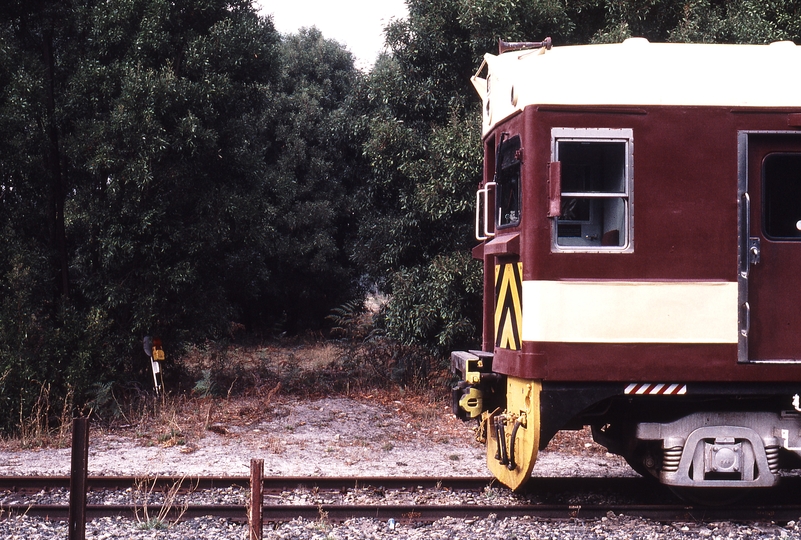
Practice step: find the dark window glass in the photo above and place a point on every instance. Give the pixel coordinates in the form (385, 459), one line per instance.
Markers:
(507, 191)
(596, 167)
(781, 196)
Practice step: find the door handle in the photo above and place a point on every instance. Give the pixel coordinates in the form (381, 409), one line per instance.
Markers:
(754, 250)
(745, 240)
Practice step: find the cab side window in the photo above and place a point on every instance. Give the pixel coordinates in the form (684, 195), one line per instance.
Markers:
(507, 178)
(595, 189)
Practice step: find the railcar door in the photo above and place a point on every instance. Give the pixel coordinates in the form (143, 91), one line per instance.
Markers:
(770, 258)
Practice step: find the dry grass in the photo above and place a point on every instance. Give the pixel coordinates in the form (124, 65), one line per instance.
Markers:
(309, 354)
(143, 496)
(309, 368)
(228, 386)
(48, 424)
(250, 384)
(237, 370)
(243, 385)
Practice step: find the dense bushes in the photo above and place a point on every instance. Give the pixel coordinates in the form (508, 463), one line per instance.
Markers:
(168, 168)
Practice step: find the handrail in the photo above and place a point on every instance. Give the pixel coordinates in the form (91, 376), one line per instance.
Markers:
(487, 232)
(479, 236)
(483, 233)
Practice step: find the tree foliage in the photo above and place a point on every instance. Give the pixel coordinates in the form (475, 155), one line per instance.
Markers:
(316, 165)
(170, 168)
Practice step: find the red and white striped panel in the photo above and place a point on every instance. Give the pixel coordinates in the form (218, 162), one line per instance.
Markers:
(652, 389)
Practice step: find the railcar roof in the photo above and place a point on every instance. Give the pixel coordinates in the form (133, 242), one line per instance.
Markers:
(639, 73)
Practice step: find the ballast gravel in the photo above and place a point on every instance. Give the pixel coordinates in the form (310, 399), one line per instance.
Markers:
(516, 528)
(338, 437)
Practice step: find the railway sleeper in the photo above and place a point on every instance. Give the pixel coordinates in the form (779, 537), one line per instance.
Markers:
(723, 449)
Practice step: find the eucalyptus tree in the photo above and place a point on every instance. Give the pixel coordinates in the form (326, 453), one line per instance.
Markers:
(136, 138)
(316, 168)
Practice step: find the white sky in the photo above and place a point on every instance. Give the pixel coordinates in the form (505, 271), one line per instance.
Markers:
(357, 24)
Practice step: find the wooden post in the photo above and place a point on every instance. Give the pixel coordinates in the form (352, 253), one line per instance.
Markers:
(78, 474)
(256, 499)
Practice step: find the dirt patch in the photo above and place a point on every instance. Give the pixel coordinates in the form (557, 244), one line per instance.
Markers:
(367, 435)
(246, 404)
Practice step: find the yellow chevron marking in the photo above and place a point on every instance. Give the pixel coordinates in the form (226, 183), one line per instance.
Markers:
(508, 306)
(507, 335)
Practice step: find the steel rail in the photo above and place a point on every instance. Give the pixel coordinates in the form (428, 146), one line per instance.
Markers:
(788, 491)
(272, 483)
(326, 483)
(27, 483)
(418, 513)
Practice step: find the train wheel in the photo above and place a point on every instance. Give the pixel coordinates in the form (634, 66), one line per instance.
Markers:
(637, 465)
(645, 460)
(514, 434)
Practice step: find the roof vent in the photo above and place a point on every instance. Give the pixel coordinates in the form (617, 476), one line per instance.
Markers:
(506, 46)
(635, 41)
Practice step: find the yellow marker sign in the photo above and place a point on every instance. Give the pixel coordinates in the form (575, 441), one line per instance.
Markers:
(158, 352)
(508, 305)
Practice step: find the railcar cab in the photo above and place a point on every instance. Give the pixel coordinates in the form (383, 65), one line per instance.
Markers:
(638, 243)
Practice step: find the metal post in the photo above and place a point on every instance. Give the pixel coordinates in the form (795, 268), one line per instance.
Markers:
(156, 374)
(78, 473)
(256, 499)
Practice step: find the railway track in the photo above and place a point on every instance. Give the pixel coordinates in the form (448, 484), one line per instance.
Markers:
(547, 498)
(270, 484)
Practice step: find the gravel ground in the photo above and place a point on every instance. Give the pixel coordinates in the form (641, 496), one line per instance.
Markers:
(328, 437)
(334, 437)
(209, 528)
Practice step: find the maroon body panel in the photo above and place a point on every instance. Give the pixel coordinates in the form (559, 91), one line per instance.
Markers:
(684, 172)
(639, 363)
(685, 227)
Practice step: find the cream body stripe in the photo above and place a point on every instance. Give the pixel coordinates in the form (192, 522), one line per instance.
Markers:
(630, 312)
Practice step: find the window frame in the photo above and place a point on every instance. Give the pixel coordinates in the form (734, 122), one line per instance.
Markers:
(599, 135)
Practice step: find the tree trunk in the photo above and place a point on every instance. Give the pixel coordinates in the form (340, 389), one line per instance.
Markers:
(58, 192)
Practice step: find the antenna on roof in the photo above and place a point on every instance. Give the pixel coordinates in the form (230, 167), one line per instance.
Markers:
(506, 46)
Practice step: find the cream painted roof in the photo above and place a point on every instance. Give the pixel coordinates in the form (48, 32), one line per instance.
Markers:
(640, 73)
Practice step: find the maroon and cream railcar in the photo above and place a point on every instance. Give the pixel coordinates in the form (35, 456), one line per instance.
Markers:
(640, 228)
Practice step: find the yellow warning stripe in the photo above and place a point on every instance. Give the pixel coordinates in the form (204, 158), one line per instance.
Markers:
(508, 305)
